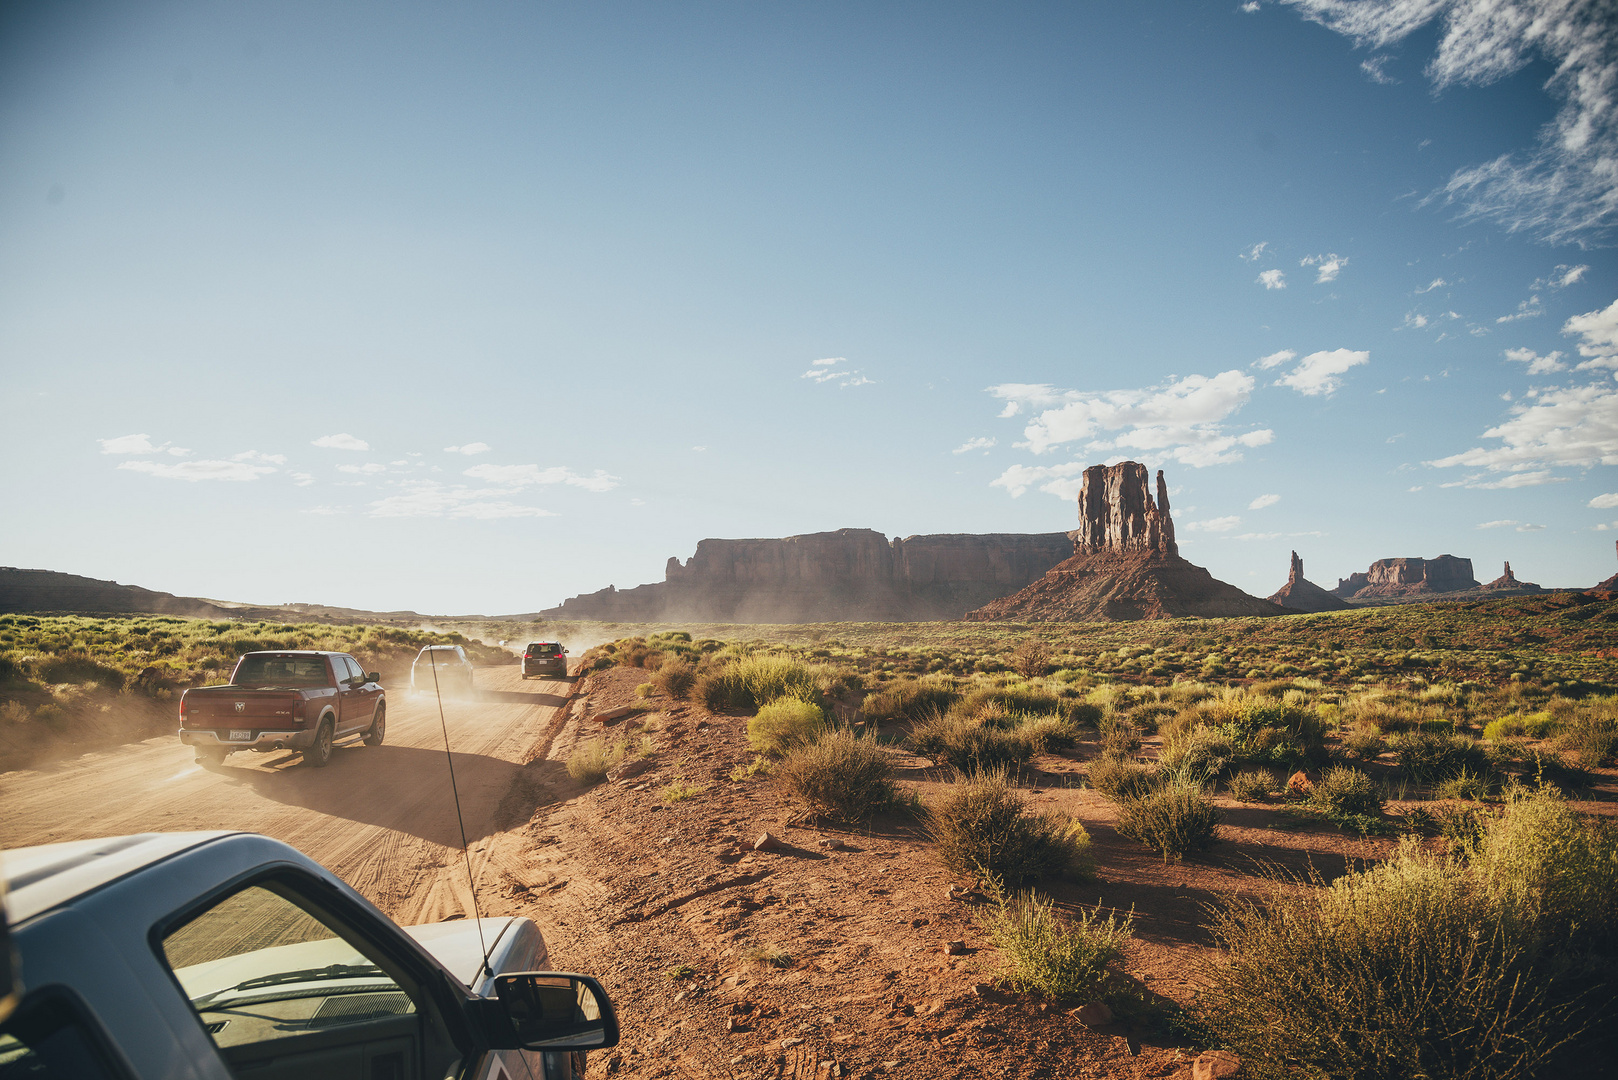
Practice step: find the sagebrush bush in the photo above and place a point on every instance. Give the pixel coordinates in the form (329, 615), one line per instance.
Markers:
(1174, 819)
(675, 678)
(1046, 732)
(980, 825)
(1118, 736)
(749, 683)
(1345, 790)
(1252, 785)
(1364, 745)
(1042, 952)
(1119, 778)
(840, 775)
(908, 700)
(79, 668)
(1542, 858)
(1432, 755)
(1591, 736)
(968, 745)
(1407, 969)
(591, 761)
(785, 724)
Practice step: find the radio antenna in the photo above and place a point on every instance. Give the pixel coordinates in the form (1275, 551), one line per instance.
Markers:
(466, 853)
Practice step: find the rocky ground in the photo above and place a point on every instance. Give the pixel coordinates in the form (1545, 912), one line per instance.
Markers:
(828, 951)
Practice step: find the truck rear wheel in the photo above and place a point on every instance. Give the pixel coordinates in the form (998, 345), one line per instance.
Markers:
(319, 752)
(379, 726)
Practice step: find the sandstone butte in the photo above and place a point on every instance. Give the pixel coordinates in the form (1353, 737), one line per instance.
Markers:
(1408, 577)
(1125, 565)
(1301, 594)
(1611, 584)
(853, 575)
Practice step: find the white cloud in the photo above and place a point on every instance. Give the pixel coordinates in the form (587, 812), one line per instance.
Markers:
(1528, 309)
(1415, 321)
(1436, 283)
(1184, 419)
(261, 459)
(1318, 372)
(1373, 66)
(1218, 524)
(469, 449)
(979, 443)
(1250, 7)
(699, 449)
(341, 442)
(1252, 253)
(1272, 535)
(1603, 502)
(1327, 266)
(519, 476)
(130, 444)
(829, 361)
(193, 471)
(1272, 279)
(324, 511)
(301, 479)
(1537, 364)
(825, 371)
(1562, 189)
(1560, 278)
(1262, 501)
(370, 468)
(429, 498)
(1275, 359)
(1063, 480)
(1599, 329)
(1510, 523)
(1574, 426)
(1481, 481)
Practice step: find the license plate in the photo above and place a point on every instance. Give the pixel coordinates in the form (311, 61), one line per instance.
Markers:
(240, 736)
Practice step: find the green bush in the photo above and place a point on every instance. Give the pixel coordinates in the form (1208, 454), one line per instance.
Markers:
(1119, 737)
(675, 678)
(1046, 732)
(1119, 778)
(908, 700)
(749, 683)
(1592, 738)
(1342, 790)
(980, 825)
(1541, 858)
(840, 775)
(1252, 785)
(968, 745)
(591, 761)
(1364, 746)
(783, 725)
(1431, 755)
(1043, 953)
(1174, 819)
(78, 668)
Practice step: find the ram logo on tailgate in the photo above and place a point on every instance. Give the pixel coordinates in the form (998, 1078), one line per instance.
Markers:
(241, 706)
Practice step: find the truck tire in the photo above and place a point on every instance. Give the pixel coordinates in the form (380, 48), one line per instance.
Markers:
(319, 753)
(379, 726)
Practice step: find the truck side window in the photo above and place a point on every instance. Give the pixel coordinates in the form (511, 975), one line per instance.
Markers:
(259, 968)
(48, 1038)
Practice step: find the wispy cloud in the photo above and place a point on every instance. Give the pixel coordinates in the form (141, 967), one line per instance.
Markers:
(429, 498)
(1560, 190)
(341, 442)
(1262, 501)
(370, 468)
(1327, 267)
(1510, 523)
(1603, 502)
(1537, 364)
(1528, 309)
(1436, 283)
(520, 476)
(1272, 279)
(1560, 278)
(194, 471)
(1319, 372)
(139, 444)
(979, 443)
(1213, 525)
(1275, 359)
(469, 449)
(826, 371)
(1252, 254)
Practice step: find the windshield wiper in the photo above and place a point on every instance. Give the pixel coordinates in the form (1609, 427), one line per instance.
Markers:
(330, 971)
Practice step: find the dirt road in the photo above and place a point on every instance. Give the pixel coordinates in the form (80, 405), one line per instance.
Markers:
(381, 817)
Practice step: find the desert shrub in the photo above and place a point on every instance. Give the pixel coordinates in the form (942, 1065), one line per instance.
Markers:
(675, 678)
(1043, 953)
(12, 669)
(1009, 700)
(1251, 785)
(1464, 786)
(1432, 755)
(1173, 819)
(1591, 737)
(1119, 778)
(1206, 752)
(1540, 857)
(1118, 736)
(908, 700)
(840, 775)
(1364, 745)
(1342, 790)
(1046, 732)
(970, 746)
(980, 825)
(749, 683)
(79, 668)
(1506, 727)
(591, 761)
(13, 712)
(784, 724)
(1405, 969)
(1031, 658)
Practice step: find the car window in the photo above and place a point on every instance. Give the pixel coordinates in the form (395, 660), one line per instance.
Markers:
(258, 967)
(49, 1038)
(288, 671)
(352, 668)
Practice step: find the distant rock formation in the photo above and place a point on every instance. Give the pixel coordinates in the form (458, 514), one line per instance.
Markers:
(1507, 582)
(1611, 584)
(1300, 594)
(48, 590)
(1408, 577)
(1125, 565)
(851, 575)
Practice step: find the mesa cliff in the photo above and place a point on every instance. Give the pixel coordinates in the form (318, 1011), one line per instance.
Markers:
(1408, 577)
(1125, 565)
(1301, 594)
(850, 575)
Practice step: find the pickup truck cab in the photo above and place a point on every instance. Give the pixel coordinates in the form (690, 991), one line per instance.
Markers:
(297, 700)
(212, 956)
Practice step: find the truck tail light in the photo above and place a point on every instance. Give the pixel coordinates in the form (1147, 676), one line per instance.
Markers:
(297, 713)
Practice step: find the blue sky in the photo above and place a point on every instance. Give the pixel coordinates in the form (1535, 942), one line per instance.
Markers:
(469, 308)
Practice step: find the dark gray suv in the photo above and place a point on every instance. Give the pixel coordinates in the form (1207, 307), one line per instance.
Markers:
(544, 658)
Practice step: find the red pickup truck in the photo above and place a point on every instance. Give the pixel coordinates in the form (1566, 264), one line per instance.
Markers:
(302, 701)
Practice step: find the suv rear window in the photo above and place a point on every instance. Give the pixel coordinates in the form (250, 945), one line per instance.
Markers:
(544, 648)
(290, 671)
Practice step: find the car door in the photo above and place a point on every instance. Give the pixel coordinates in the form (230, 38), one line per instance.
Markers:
(354, 712)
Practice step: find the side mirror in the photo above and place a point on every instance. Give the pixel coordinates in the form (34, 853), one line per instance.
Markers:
(552, 1010)
(373, 676)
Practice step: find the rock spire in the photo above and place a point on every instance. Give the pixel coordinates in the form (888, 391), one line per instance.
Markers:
(1117, 513)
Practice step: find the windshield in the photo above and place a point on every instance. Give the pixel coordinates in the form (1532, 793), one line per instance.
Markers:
(288, 671)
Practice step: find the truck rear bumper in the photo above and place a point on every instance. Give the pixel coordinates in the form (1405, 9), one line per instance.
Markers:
(262, 740)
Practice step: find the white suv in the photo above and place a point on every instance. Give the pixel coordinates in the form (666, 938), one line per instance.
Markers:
(441, 668)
